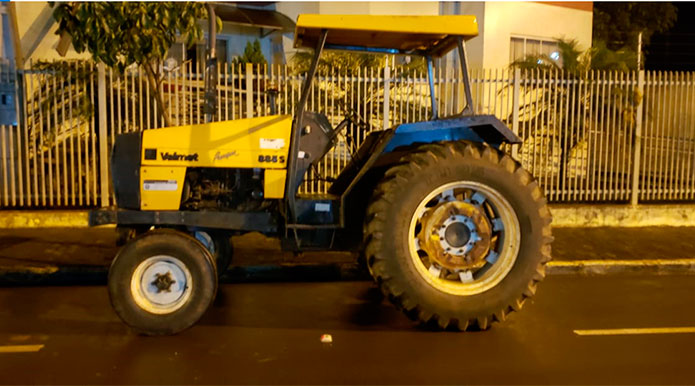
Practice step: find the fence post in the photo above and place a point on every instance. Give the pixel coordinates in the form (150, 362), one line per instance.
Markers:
(634, 199)
(102, 136)
(249, 90)
(515, 109)
(387, 98)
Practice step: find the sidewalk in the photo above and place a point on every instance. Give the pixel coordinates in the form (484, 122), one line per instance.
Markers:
(29, 255)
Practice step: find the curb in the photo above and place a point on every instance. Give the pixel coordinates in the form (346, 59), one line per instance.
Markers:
(603, 267)
(564, 216)
(10, 219)
(91, 275)
(623, 216)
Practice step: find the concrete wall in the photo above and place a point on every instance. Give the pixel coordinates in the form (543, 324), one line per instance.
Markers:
(475, 47)
(36, 29)
(293, 9)
(502, 20)
(38, 40)
(497, 22)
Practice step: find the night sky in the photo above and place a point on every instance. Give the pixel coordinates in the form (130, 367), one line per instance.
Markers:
(675, 49)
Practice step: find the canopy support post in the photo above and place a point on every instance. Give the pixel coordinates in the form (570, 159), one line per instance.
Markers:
(430, 75)
(470, 106)
(291, 185)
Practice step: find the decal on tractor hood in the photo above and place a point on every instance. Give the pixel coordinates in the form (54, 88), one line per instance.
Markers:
(160, 185)
(219, 156)
(321, 207)
(179, 157)
(272, 143)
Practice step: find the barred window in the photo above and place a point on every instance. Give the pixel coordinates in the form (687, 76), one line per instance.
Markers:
(522, 47)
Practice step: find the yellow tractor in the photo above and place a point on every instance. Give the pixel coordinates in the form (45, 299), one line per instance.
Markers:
(454, 231)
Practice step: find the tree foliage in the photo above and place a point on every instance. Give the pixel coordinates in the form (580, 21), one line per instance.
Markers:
(252, 54)
(122, 33)
(619, 24)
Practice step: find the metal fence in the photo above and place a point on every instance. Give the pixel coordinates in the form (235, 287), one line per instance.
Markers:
(591, 137)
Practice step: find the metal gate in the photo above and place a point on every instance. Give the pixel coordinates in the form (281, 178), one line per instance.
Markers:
(600, 136)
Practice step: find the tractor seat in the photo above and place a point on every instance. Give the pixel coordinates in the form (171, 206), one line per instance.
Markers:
(317, 136)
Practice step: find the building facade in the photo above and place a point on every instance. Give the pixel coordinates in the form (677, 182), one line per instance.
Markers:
(512, 30)
(507, 30)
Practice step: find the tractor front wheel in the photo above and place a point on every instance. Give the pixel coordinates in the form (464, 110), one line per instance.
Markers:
(458, 235)
(162, 282)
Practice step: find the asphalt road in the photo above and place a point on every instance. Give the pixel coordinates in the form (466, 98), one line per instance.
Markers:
(269, 333)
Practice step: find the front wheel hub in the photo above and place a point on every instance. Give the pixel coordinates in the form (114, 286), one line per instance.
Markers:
(161, 284)
(456, 235)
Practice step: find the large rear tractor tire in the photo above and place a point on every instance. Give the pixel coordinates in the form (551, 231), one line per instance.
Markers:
(162, 282)
(457, 235)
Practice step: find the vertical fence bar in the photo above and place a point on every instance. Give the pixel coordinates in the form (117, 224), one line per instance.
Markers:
(226, 91)
(219, 92)
(624, 179)
(387, 98)
(80, 182)
(3, 148)
(69, 135)
(654, 159)
(515, 109)
(658, 138)
(595, 89)
(249, 90)
(689, 130)
(14, 162)
(93, 133)
(542, 127)
(600, 129)
(671, 112)
(32, 136)
(557, 89)
(648, 129)
(575, 110)
(112, 133)
(177, 95)
(39, 137)
(62, 139)
(682, 137)
(667, 130)
(613, 142)
(583, 112)
(87, 130)
(103, 144)
(141, 101)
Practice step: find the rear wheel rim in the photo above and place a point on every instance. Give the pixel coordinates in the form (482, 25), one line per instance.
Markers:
(161, 284)
(503, 246)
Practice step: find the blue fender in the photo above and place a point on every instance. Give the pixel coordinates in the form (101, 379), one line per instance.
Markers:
(478, 128)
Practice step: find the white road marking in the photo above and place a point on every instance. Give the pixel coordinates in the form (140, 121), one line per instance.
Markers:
(20, 348)
(636, 331)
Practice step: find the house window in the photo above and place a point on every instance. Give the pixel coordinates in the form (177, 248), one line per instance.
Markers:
(178, 53)
(521, 47)
(197, 53)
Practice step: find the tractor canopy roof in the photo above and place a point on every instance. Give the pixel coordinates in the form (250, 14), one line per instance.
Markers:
(418, 35)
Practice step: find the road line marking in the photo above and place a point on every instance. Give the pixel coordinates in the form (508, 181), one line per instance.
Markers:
(637, 331)
(633, 263)
(20, 348)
